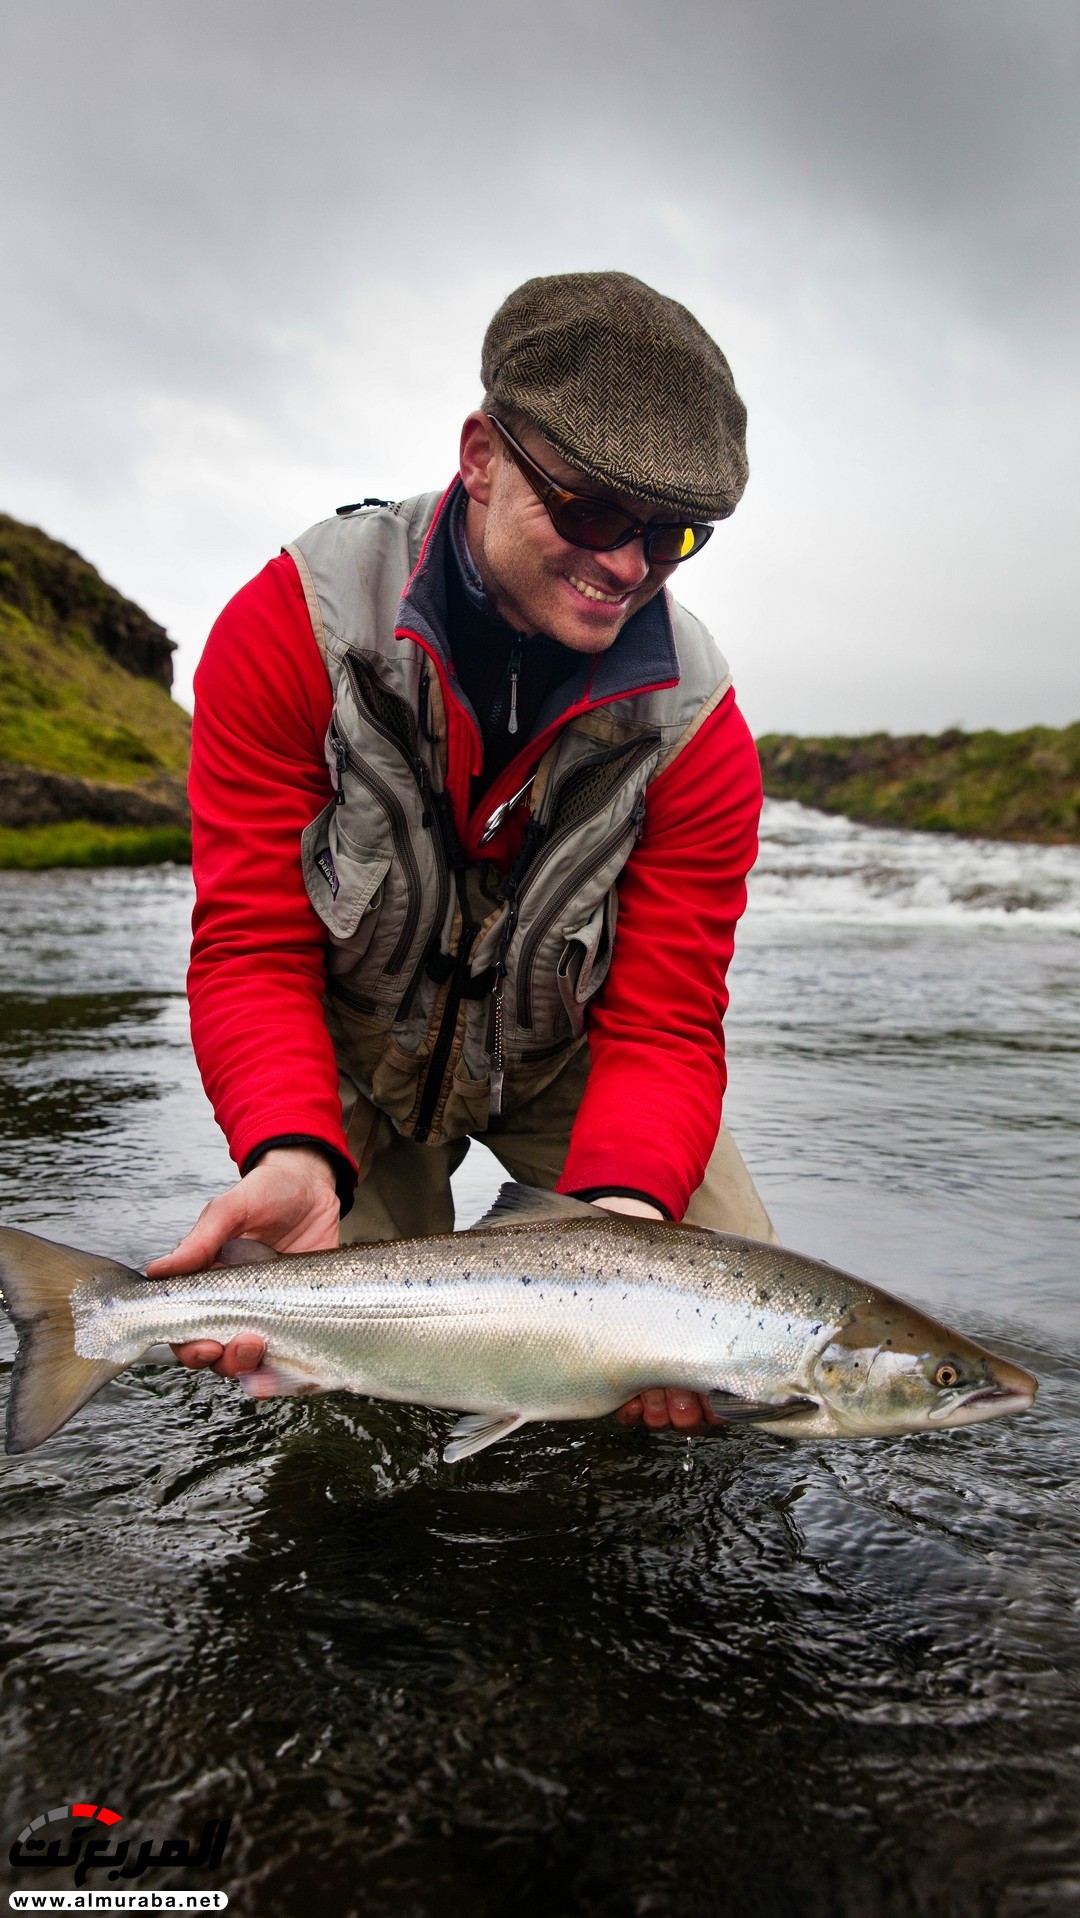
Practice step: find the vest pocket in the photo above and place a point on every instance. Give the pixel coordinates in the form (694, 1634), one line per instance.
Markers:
(584, 961)
(343, 879)
(396, 1078)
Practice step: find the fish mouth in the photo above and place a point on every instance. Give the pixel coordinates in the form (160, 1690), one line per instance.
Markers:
(1012, 1390)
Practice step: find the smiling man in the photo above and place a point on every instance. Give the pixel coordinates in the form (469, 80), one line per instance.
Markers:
(473, 808)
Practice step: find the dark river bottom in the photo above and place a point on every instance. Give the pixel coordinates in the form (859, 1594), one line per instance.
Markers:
(587, 1672)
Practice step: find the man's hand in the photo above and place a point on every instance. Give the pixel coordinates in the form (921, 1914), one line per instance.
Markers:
(668, 1405)
(664, 1406)
(288, 1201)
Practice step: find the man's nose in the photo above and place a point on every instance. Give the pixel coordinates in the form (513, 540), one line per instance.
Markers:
(626, 566)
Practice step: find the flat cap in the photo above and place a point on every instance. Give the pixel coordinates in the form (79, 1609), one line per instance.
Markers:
(625, 385)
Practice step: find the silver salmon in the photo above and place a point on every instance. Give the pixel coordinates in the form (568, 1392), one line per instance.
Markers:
(547, 1309)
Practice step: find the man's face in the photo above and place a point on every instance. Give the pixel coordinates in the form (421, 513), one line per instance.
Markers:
(539, 582)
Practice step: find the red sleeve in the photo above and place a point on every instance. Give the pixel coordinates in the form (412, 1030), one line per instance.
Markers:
(258, 777)
(651, 1111)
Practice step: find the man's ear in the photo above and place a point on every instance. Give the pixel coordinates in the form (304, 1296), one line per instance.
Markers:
(480, 452)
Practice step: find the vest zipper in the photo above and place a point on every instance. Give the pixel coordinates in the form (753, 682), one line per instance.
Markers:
(444, 1038)
(399, 831)
(422, 776)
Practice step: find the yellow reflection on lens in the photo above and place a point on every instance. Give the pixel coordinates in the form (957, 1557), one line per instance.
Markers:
(689, 540)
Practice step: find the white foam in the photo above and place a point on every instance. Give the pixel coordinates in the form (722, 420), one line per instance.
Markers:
(825, 867)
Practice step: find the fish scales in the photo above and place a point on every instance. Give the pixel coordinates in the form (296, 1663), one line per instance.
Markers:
(561, 1328)
(549, 1309)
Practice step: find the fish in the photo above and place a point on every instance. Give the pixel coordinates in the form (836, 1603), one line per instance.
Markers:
(547, 1309)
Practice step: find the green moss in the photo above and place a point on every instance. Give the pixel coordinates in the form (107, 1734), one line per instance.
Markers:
(66, 707)
(79, 842)
(1023, 785)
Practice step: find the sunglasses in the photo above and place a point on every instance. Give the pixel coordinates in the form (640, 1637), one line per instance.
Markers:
(599, 524)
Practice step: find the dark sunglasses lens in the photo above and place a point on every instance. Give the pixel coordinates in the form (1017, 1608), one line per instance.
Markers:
(668, 544)
(587, 522)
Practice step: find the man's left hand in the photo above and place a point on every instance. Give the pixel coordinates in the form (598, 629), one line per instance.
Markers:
(664, 1406)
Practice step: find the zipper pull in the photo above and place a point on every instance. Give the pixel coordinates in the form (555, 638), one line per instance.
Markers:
(341, 760)
(515, 668)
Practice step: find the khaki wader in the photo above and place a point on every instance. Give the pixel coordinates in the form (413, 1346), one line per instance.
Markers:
(404, 1190)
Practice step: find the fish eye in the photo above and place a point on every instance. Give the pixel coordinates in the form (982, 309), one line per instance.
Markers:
(947, 1374)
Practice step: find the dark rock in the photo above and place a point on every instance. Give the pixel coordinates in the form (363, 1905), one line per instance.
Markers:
(30, 798)
(59, 590)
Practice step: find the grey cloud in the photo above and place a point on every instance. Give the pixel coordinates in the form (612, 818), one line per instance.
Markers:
(208, 205)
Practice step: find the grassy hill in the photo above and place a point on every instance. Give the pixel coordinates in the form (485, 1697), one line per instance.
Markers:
(93, 750)
(1023, 785)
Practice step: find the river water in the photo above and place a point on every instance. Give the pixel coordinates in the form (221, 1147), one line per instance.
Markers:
(588, 1672)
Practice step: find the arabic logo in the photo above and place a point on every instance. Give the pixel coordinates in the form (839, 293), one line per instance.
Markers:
(101, 1812)
(96, 1853)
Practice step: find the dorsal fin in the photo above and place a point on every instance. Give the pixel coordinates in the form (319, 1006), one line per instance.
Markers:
(531, 1205)
(246, 1252)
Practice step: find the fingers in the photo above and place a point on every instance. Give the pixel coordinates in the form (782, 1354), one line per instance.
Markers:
(664, 1407)
(242, 1354)
(197, 1353)
(223, 1219)
(684, 1411)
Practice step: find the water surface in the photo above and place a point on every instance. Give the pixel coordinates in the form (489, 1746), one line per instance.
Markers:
(588, 1672)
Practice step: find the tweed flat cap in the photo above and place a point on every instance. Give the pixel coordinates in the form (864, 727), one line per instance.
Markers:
(625, 385)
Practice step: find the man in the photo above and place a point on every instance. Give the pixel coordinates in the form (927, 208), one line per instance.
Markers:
(473, 810)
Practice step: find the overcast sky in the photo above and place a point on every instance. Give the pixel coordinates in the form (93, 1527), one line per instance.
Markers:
(249, 249)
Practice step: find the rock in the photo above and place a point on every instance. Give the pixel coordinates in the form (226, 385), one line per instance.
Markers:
(32, 798)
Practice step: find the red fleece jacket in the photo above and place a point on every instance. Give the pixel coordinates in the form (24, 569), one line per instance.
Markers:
(651, 1110)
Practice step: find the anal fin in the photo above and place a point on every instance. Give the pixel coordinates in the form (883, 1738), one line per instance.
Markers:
(728, 1405)
(277, 1379)
(476, 1430)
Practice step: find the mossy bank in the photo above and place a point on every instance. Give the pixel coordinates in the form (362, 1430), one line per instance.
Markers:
(1023, 785)
(93, 751)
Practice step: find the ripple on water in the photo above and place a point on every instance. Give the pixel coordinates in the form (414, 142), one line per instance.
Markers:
(586, 1672)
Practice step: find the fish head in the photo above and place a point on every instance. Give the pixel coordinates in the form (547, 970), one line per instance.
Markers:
(888, 1368)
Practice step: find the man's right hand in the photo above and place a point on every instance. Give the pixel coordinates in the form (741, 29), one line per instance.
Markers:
(288, 1201)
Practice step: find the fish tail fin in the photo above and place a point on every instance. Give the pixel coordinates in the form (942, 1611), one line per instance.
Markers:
(50, 1381)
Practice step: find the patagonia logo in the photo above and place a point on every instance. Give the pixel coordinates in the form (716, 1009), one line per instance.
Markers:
(325, 863)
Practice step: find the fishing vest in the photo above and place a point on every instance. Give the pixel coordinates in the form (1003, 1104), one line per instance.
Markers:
(454, 995)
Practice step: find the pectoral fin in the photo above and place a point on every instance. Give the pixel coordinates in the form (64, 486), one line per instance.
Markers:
(477, 1430)
(246, 1252)
(728, 1405)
